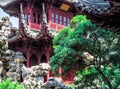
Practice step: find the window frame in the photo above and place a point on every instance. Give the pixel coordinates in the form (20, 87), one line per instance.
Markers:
(28, 17)
(57, 18)
(61, 20)
(34, 18)
(64, 21)
(38, 18)
(53, 17)
(68, 21)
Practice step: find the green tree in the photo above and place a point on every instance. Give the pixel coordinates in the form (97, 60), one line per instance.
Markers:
(104, 45)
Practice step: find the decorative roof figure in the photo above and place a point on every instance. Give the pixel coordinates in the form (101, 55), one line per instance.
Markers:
(44, 14)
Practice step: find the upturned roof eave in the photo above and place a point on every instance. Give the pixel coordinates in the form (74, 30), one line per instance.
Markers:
(5, 3)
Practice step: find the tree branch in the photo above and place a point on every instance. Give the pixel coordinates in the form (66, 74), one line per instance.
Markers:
(104, 77)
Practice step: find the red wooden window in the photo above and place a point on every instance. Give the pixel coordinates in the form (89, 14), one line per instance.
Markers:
(38, 17)
(64, 21)
(27, 17)
(60, 20)
(68, 21)
(53, 17)
(56, 18)
(34, 17)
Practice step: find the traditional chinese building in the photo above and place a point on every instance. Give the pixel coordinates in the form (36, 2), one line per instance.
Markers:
(39, 22)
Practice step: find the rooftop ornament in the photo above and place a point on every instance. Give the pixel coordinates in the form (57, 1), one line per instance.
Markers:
(94, 6)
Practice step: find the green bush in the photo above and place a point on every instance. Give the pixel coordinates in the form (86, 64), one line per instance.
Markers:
(71, 86)
(7, 84)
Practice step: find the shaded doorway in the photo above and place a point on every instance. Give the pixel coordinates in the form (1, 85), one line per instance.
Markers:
(43, 59)
(33, 60)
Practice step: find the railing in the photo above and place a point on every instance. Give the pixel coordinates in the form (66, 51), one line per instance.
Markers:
(35, 26)
(55, 26)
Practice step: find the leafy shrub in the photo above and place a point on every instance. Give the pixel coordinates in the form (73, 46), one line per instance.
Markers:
(71, 86)
(7, 84)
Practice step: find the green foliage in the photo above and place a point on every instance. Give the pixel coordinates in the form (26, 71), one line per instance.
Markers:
(71, 86)
(93, 75)
(66, 32)
(87, 37)
(78, 18)
(7, 84)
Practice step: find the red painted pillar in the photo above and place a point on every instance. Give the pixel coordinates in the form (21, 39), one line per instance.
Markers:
(48, 59)
(28, 61)
(28, 54)
(60, 71)
(39, 57)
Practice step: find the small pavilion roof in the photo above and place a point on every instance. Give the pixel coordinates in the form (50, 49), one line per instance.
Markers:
(36, 35)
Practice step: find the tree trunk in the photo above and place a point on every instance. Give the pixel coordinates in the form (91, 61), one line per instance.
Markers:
(104, 77)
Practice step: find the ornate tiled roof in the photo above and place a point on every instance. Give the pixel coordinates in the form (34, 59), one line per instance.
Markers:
(72, 1)
(105, 13)
(94, 6)
(29, 32)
